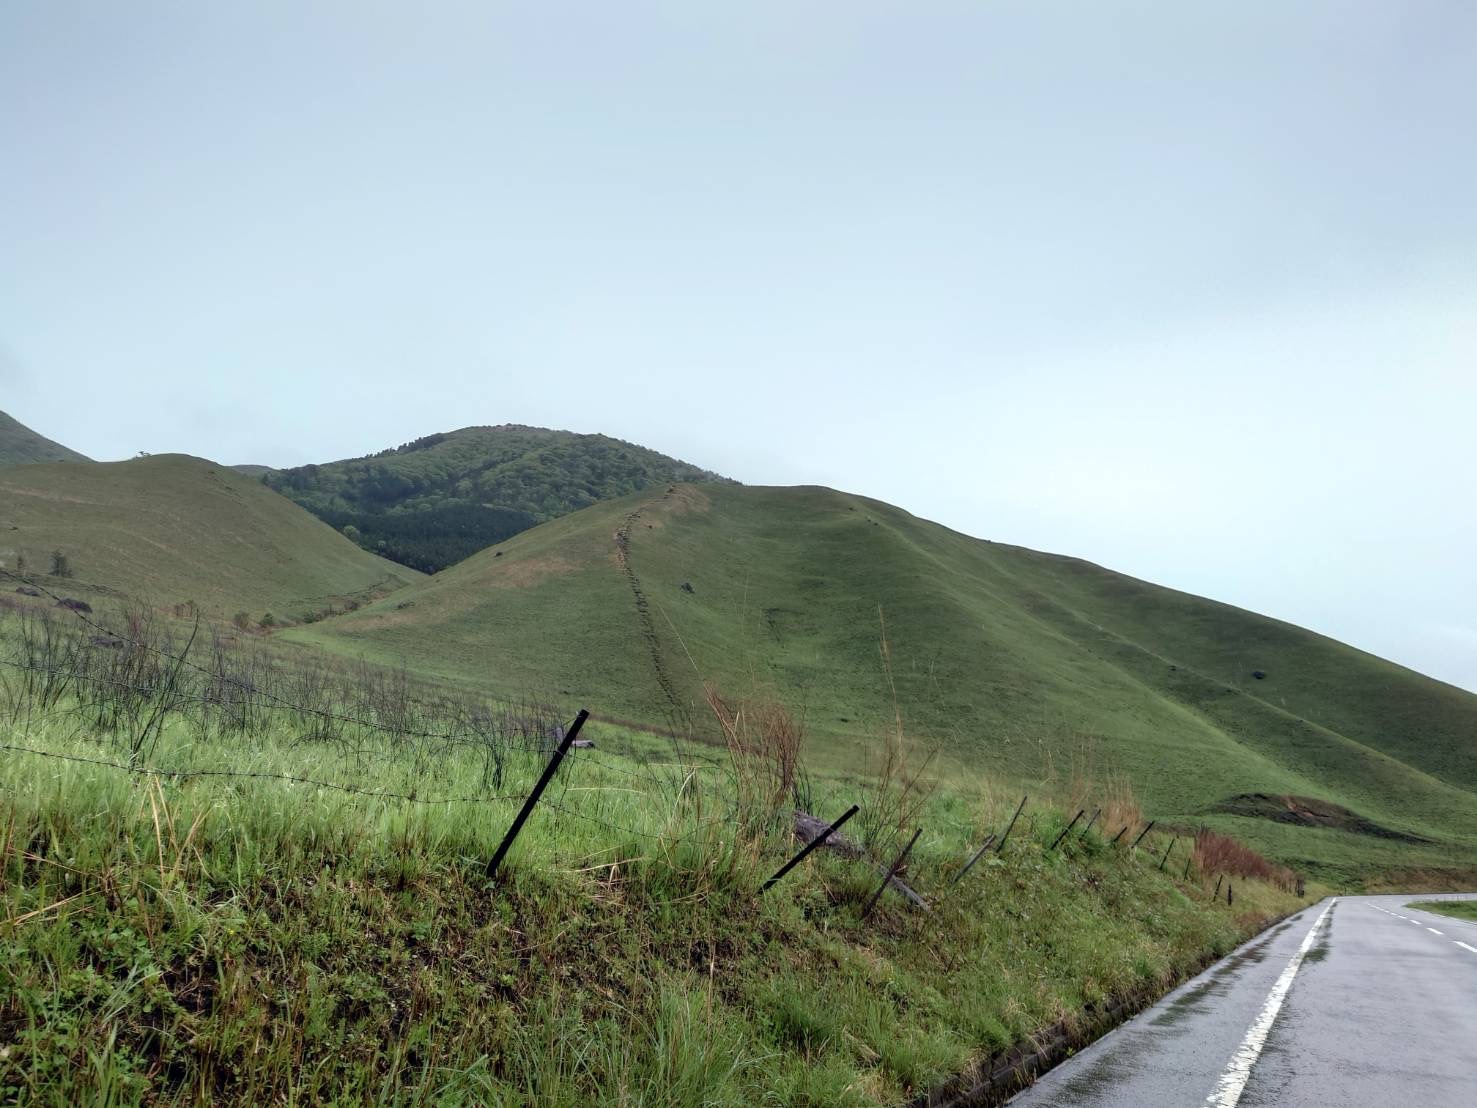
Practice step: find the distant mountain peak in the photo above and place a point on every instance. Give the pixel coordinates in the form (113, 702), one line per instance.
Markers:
(437, 499)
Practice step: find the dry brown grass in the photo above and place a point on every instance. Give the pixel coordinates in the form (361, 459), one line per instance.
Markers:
(1215, 853)
(764, 741)
(1120, 807)
(896, 789)
(1087, 790)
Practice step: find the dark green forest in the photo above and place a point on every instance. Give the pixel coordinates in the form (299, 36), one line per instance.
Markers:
(432, 502)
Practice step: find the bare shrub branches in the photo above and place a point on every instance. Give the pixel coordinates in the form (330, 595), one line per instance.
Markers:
(1217, 853)
(129, 675)
(764, 740)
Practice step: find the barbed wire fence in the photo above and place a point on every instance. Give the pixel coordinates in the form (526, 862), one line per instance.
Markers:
(69, 675)
(102, 676)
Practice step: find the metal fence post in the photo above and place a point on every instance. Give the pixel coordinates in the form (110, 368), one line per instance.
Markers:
(819, 840)
(1167, 849)
(538, 791)
(1090, 822)
(978, 854)
(891, 873)
(1142, 833)
(1021, 808)
(1069, 827)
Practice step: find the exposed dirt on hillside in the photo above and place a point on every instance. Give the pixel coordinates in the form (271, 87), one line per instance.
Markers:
(1307, 811)
(523, 573)
(622, 538)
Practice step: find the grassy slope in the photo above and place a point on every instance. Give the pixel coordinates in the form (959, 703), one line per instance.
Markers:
(19, 444)
(171, 529)
(1021, 663)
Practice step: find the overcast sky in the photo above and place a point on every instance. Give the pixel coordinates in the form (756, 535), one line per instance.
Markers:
(1188, 290)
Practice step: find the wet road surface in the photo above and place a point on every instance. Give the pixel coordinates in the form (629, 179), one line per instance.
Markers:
(1356, 1001)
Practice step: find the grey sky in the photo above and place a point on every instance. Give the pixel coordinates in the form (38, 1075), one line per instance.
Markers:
(1189, 290)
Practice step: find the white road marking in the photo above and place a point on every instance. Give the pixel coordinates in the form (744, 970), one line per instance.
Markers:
(1433, 931)
(1229, 1088)
(1464, 946)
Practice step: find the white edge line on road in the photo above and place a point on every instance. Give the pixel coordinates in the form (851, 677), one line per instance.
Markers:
(1228, 1089)
(1464, 946)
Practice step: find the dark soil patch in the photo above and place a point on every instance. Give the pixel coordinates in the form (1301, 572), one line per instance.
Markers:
(1305, 811)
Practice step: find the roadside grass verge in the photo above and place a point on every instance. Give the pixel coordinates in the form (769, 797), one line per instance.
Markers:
(169, 939)
(1456, 909)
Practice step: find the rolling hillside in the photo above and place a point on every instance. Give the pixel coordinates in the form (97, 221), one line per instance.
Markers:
(1018, 663)
(20, 445)
(172, 529)
(442, 498)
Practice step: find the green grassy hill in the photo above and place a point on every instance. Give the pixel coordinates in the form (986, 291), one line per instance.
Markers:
(19, 444)
(442, 498)
(172, 529)
(1017, 663)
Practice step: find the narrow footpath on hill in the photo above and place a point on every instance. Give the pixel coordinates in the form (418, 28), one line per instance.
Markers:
(643, 606)
(1356, 1001)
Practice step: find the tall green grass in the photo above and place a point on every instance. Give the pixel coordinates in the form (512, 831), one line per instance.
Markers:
(253, 940)
(209, 921)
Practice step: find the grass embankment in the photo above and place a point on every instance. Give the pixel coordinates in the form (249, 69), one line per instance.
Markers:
(1009, 658)
(215, 932)
(1456, 909)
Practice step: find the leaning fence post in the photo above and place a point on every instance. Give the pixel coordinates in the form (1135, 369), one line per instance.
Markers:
(897, 865)
(969, 865)
(538, 791)
(1119, 835)
(1228, 893)
(819, 840)
(1167, 849)
(1142, 833)
(1217, 894)
(1188, 859)
(1069, 827)
(1090, 822)
(1001, 847)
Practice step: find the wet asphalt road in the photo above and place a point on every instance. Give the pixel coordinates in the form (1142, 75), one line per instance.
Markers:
(1380, 1011)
